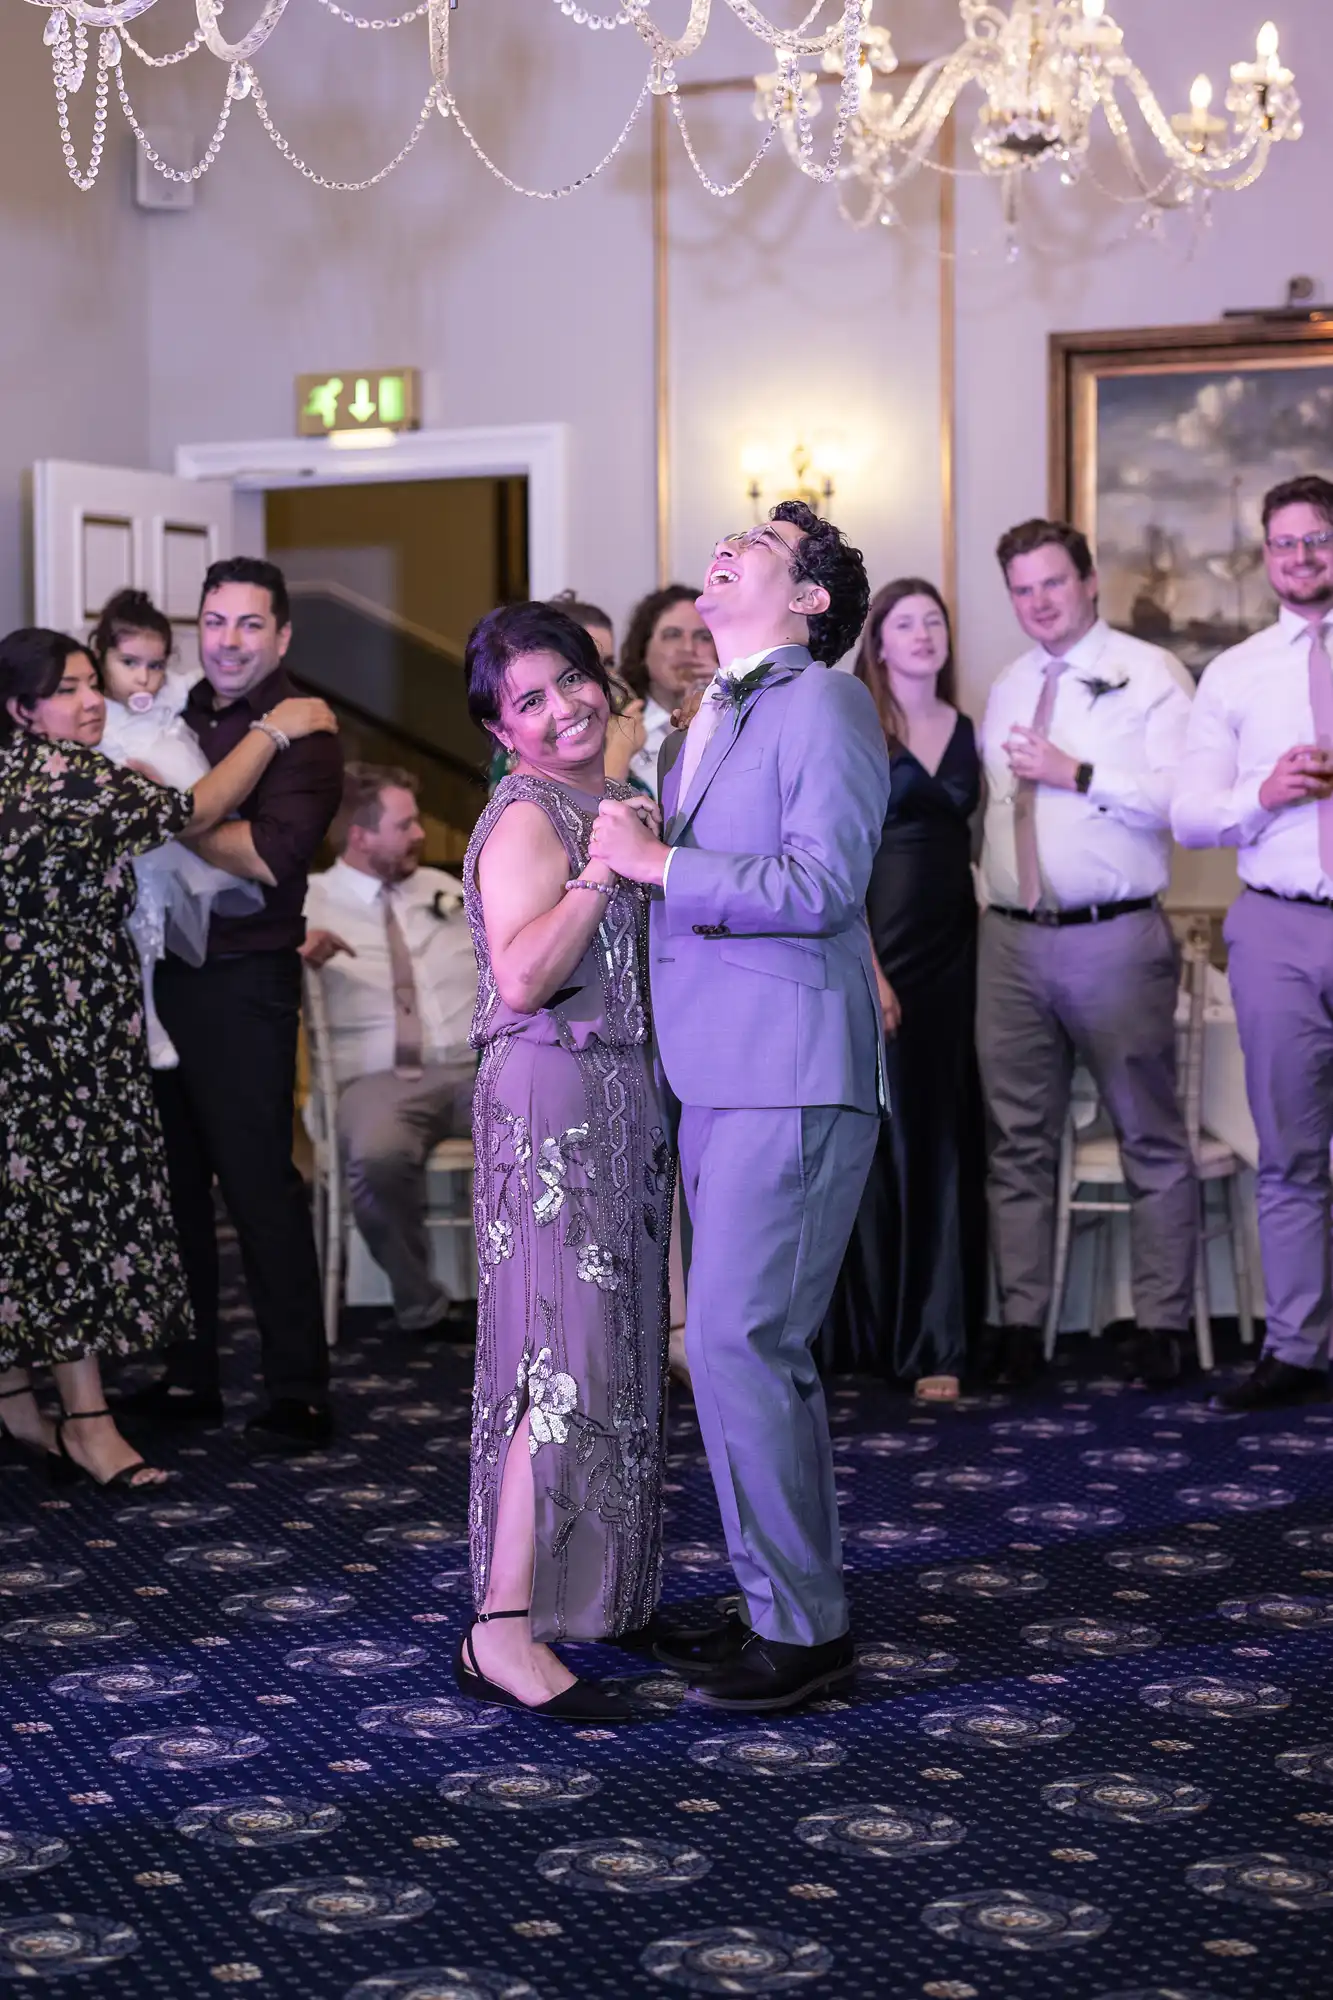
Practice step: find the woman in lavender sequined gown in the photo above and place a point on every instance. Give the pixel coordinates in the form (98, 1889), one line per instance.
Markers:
(573, 1192)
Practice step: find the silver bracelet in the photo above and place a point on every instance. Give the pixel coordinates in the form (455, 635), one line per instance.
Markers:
(274, 734)
(598, 888)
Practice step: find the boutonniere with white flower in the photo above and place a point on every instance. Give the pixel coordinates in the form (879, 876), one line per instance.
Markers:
(445, 903)
(1097, 687)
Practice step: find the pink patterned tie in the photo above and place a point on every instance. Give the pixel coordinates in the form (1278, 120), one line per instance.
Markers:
(1025, 798)
(697, 737)
(406, 1019)
(1321, 704)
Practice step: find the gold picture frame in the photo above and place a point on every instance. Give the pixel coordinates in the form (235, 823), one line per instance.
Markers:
(1163, 442)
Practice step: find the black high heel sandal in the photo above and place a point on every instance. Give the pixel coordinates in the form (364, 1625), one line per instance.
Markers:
(124, 1479)
(58, 1466)
(584, 1702)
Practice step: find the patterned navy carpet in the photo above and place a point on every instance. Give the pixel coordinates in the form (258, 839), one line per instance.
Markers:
(1085, 1756)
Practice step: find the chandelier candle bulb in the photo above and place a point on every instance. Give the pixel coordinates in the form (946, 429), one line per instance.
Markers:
(1196, 127)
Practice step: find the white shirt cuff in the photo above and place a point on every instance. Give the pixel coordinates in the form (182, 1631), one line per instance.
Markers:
(666, 868)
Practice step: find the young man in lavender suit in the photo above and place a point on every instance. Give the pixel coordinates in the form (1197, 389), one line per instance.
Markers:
(765, 1010)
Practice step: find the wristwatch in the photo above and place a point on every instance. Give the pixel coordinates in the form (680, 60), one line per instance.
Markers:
(1082, 777)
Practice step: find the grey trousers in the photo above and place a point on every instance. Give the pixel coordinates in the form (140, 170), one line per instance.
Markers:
(1106, 994)
(387, 1126)
(1281, 970)
(772, 1198)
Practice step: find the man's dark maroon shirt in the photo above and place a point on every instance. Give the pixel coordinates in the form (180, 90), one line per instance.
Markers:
(289, 811)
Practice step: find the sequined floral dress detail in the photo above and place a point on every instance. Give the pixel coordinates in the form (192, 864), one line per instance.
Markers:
(573, 1210)
(88, 1252)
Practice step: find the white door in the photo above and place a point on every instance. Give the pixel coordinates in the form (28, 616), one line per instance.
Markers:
(99, 528)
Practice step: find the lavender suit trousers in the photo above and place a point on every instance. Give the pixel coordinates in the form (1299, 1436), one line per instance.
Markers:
(772, 1196)
(1281, 970)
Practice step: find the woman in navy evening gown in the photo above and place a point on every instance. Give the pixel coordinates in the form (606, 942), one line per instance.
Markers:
(911, 1297)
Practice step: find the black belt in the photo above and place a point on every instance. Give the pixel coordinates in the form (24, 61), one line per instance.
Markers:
(1279, 896)
(1096, 913)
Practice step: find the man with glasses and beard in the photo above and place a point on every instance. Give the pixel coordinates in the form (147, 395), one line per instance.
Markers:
(227, 1111)
(1257, 775)
(765, 1008)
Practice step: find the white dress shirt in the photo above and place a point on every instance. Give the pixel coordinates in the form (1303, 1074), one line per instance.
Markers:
(1253, 704)
(656, 729)
(1111, 844)
(360, 990)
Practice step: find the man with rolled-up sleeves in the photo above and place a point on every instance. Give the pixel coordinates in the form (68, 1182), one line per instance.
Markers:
(1080, 742)
(227, 1110)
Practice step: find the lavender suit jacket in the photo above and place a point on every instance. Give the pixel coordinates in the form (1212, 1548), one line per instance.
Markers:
(762, 976)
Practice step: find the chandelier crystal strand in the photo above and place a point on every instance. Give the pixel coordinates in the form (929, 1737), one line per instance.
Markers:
(449, 109)
(395, 21)
(718, 188)
(319, 180)
(196, 41)
(155, 160)
(583, 19)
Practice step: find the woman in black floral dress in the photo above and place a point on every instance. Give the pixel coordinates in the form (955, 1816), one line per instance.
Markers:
(88, 1256)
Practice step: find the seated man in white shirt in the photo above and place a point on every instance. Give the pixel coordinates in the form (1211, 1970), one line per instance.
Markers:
(667, 656)
(400, 977)
(1258, 776)
(1081, 737)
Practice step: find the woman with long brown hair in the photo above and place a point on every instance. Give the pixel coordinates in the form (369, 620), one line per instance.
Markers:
(912, 1293)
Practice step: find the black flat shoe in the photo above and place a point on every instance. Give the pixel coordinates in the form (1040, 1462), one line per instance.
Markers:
(767, 1675)
(124, 1481)
(288, 1425)
(1274, 1385)
(584, 1702)
(161, 1403)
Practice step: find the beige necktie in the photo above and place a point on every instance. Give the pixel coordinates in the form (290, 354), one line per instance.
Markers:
(1025, 798)
(406, 1019)
(698, 736)
(1321, 702)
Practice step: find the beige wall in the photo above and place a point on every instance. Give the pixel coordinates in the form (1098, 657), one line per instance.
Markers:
(74, 290)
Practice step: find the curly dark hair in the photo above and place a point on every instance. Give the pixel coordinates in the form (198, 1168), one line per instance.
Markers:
(827, 558)
(642, 624)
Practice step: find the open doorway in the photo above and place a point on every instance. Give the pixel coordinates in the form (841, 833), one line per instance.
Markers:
(387, 580)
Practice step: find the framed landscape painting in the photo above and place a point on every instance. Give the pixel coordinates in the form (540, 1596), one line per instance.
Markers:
(1163, 444)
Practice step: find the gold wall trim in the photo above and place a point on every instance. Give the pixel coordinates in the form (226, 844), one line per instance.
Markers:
(948, 348)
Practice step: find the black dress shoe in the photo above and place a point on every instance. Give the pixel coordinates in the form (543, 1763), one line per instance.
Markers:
(703, 1651)
(1273, 1384)
(767, 1674)
(1021, 1357)
(1154, 1357)
(457, 1324)
(163, 1403)
(288, 1425)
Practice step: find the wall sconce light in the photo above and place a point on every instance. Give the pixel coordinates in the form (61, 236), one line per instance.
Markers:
(813, 473)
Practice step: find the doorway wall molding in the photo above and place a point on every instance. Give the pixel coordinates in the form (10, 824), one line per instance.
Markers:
(537, 452)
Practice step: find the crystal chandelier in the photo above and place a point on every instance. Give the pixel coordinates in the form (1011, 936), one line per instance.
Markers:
(91, 45)
(1044, 69)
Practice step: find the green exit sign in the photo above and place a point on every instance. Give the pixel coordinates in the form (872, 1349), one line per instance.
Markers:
(379, 399)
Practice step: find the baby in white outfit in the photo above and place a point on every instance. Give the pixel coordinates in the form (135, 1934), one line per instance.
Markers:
(144, 726)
